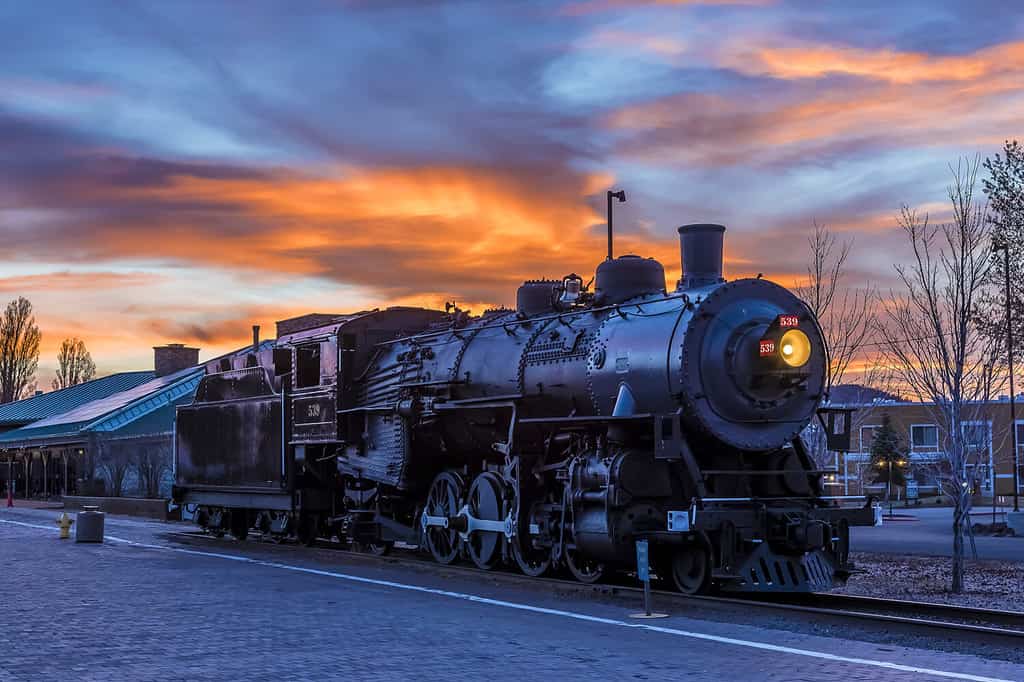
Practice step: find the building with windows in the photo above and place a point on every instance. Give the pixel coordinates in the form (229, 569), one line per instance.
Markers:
(987, 433)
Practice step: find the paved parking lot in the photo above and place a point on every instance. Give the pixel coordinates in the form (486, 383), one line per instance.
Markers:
(143, 606)
(928, 531)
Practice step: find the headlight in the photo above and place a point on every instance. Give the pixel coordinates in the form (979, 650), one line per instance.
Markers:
(795, 348)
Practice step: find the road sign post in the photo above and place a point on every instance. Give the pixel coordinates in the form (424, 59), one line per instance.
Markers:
(643, 573)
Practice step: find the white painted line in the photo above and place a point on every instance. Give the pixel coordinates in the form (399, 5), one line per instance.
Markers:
(553, 612)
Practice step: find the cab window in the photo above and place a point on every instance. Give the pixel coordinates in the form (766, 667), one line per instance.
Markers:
(307, 366)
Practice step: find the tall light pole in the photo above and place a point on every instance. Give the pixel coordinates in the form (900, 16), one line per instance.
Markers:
(1004, 247)
(621, 196)
(888, 487)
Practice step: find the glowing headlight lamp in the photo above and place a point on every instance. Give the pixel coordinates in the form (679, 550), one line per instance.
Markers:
(793, 347)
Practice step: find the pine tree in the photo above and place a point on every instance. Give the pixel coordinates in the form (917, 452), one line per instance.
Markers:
(1004, 187)
(888, 454)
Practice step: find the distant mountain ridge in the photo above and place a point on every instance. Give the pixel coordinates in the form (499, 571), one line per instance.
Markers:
(848, 394)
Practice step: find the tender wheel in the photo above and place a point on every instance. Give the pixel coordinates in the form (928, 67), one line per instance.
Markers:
(690, 568)
(239, 524)
(444, 499)
(308, 530)
(217, 518)
(486, 502)
(583, 569)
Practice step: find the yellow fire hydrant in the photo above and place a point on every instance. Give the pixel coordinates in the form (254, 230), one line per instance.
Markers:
(64, 522)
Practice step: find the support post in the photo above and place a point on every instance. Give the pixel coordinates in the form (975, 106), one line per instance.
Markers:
(643, 572)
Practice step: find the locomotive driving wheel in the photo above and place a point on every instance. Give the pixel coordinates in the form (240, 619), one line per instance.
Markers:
(532, 561)
(582, 568)
(690, 568)
(444, 499)
(486, 502)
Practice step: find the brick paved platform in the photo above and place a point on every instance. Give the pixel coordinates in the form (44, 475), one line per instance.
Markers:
(161, 609)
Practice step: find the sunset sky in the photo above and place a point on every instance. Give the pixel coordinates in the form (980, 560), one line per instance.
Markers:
(177, 171)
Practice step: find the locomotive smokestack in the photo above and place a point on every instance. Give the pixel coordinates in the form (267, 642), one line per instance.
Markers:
(255, 338)
(701, 250)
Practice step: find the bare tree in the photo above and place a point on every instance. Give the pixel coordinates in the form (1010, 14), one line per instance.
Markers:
(846, 315)
(152, 460)
(19, 349)
(936, 346)
(848, 320)
(74, 364)
(116, 461)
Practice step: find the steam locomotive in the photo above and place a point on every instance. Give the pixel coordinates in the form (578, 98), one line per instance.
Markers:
(550, 436)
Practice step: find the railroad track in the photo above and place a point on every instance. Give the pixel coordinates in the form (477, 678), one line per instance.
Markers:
(959, 623)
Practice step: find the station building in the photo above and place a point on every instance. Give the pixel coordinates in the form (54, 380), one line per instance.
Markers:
(108, 436)
(987, 433)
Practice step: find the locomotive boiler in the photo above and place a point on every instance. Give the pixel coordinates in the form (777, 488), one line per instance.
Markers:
(552, 435)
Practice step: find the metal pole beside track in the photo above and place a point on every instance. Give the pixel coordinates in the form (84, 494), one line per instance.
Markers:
(643, 572)
(1005, 248)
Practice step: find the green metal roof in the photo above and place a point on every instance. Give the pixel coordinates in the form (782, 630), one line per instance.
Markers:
(110, 414)
(54, 403)
(141, 406)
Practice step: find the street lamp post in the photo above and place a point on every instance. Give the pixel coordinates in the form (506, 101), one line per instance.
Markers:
(1004, 247)
(888, 487)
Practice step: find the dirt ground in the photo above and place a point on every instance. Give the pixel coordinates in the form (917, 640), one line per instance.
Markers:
(987, 584)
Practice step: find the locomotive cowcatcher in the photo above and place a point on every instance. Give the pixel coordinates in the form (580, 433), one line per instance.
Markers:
(550, 436)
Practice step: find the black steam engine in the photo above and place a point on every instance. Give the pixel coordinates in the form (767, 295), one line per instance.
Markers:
(551, 436)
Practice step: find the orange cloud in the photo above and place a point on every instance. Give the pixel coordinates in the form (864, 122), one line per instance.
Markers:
(714, 129)
(428, 231)
(69, 281)
(814, 61)
(350, 239)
